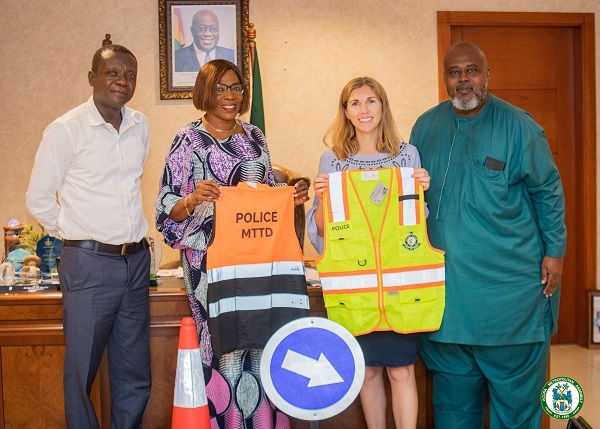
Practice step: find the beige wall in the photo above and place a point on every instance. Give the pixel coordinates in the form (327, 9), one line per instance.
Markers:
(308, 50)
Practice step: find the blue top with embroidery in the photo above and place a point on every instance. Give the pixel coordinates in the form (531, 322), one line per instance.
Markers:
(407, 157)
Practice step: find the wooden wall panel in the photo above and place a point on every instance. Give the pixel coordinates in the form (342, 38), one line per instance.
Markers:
(523, 60)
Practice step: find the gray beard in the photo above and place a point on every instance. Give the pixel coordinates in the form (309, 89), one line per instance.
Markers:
(466, 105)
(471, 104)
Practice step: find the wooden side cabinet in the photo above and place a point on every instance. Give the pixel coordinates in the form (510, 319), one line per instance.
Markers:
(32, 353)
(31, 358)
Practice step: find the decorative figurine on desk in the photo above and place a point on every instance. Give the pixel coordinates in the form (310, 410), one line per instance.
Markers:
(20, 241)
(17, 256)
(30, 273)
(7, 274)
(11, 235)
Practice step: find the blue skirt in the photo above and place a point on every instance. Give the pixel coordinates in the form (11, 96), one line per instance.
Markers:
(388, 348)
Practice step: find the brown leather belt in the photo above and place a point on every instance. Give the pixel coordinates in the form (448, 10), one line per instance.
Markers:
(118, 249)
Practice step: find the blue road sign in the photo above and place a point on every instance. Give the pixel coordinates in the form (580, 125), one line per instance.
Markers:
(312, 368)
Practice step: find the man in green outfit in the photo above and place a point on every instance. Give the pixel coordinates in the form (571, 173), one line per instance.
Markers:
(496, 207)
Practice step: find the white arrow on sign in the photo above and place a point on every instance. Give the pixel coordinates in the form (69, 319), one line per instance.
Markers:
(319, 372)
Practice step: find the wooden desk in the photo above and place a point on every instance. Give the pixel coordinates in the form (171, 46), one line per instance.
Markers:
(32, 353)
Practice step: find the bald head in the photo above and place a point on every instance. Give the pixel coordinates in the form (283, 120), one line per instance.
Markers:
(205, 29)
(203, 15)
(466, 76)
(462, 49)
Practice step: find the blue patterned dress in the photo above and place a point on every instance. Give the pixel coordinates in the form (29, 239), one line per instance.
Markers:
(235, 394)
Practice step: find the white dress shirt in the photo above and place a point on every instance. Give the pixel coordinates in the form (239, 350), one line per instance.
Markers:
(86, 177)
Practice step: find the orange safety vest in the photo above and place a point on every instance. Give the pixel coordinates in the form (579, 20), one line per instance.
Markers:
(378, 270)
(255, 267)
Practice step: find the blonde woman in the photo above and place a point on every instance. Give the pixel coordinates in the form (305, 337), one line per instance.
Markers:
(364, 136)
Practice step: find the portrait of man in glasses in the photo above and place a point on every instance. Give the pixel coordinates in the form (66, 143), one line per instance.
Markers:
(205, 31)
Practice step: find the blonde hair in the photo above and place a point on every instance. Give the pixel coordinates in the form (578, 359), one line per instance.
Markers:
(341, 132)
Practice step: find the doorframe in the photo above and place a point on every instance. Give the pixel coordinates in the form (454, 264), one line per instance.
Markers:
(586, 110)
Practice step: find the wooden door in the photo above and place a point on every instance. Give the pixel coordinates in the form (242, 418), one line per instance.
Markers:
(544, 63)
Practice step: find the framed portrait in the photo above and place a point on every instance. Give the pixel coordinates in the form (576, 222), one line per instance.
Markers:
(594, 312)
(192, 32)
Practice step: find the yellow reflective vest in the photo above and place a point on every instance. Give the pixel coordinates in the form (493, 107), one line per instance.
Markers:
(255, 267)
(378, 270)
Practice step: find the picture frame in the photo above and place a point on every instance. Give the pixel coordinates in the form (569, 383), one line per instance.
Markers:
(594, 314)
(219, 27)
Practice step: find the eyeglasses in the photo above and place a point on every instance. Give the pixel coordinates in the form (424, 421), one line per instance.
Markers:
(236, 89)
(201, 29)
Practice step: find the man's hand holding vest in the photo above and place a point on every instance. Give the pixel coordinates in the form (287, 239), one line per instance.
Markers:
(300, 192)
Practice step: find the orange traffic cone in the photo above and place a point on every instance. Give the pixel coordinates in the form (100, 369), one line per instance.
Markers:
(190, 406)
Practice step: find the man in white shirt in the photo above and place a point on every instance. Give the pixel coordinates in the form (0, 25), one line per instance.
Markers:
(205, 29)
(85, 189)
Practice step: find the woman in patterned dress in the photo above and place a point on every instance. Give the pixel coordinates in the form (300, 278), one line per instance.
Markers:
(217, 150)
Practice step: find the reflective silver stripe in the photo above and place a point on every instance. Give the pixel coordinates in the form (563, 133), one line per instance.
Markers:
(411, 278)
(409, 206)
(189, 380)
(249, 271)
(336, 196)
(359, 281)
(364, 281)
(260, 302)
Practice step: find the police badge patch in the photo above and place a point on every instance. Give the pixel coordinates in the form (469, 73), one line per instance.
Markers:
(411, 242)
